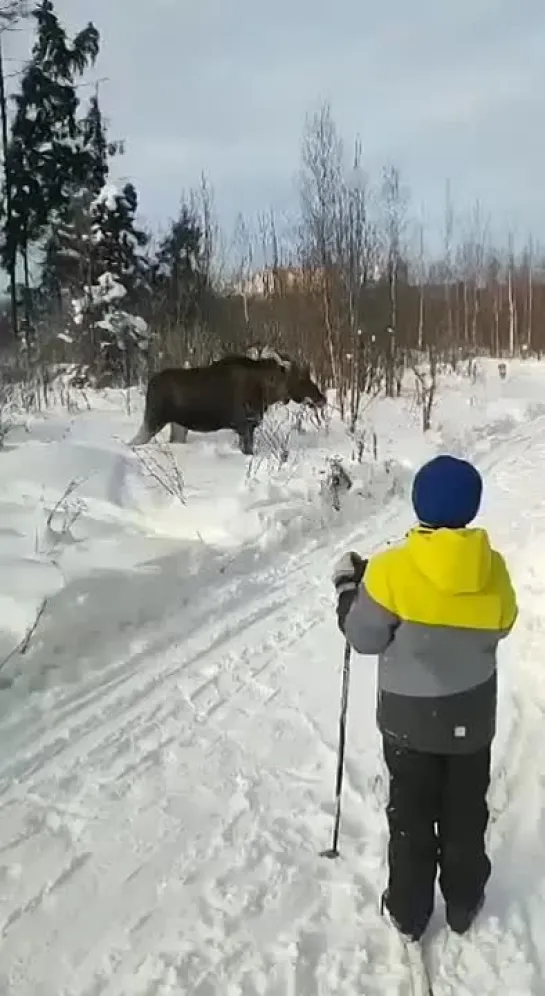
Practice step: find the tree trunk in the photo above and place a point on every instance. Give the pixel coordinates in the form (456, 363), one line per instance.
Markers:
(13, 263)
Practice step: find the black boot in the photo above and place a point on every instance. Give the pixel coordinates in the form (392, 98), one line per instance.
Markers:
(407, 935)
(460, 919)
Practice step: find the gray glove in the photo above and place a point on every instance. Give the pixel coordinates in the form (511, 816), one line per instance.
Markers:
(348, 572)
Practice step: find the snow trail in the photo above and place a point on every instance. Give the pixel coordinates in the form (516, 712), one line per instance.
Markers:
(507, 954)
(141, 751)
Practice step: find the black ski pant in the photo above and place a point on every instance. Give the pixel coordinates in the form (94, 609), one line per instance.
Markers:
(437, 817)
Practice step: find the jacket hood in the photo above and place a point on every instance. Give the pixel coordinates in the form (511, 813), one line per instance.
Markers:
(457, 561)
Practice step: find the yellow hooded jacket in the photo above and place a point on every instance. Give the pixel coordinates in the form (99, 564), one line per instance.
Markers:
(434, 609)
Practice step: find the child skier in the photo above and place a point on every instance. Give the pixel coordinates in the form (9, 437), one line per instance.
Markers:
(434, 609)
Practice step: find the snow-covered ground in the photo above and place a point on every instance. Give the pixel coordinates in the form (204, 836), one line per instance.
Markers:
(168, 723)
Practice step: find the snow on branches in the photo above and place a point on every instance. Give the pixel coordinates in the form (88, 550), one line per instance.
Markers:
(119, 272)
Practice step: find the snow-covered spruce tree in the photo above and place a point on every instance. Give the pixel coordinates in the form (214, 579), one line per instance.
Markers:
(181, 282)
(69, 257)
(11, 11)
(45, 160)
(110, 304)
(99, 148)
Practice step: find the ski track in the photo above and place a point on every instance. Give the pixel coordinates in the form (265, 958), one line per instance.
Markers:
(504, 951)
(171, 818)
(61, 794)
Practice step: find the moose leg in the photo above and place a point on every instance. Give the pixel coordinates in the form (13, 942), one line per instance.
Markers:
(178, 433)
(146, 432)
(143, 436)
(246, 434)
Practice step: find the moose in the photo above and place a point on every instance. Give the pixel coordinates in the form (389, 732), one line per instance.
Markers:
(233, 392)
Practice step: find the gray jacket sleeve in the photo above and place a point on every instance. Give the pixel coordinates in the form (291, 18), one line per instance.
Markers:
(369, 627)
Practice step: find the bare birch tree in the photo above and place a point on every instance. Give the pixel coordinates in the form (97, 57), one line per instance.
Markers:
(357, 257)
(320, 191)
(448, 271)
(528, 276)
(511, 295)
(421, 285)
(395, 203)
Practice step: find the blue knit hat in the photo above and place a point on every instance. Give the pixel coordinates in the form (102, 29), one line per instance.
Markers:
(447, 493)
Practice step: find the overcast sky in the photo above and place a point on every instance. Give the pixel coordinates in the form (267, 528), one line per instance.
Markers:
(443, 89)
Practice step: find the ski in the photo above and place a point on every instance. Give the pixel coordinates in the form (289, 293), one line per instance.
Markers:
(420, 976)
(448, 959)
(413, 952)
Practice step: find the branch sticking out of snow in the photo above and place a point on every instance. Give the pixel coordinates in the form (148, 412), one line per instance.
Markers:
(24, 644)
(337, 482)
(68, 512)
(169, 478)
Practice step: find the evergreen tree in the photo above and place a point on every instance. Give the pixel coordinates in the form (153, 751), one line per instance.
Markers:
(10, 12)
(181, 271)
(46, 161)
(118, 240)
(68, 257)
(96, 144)
(111, 303)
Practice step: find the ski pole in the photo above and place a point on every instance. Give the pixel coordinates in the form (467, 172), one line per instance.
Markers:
(332, 852)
